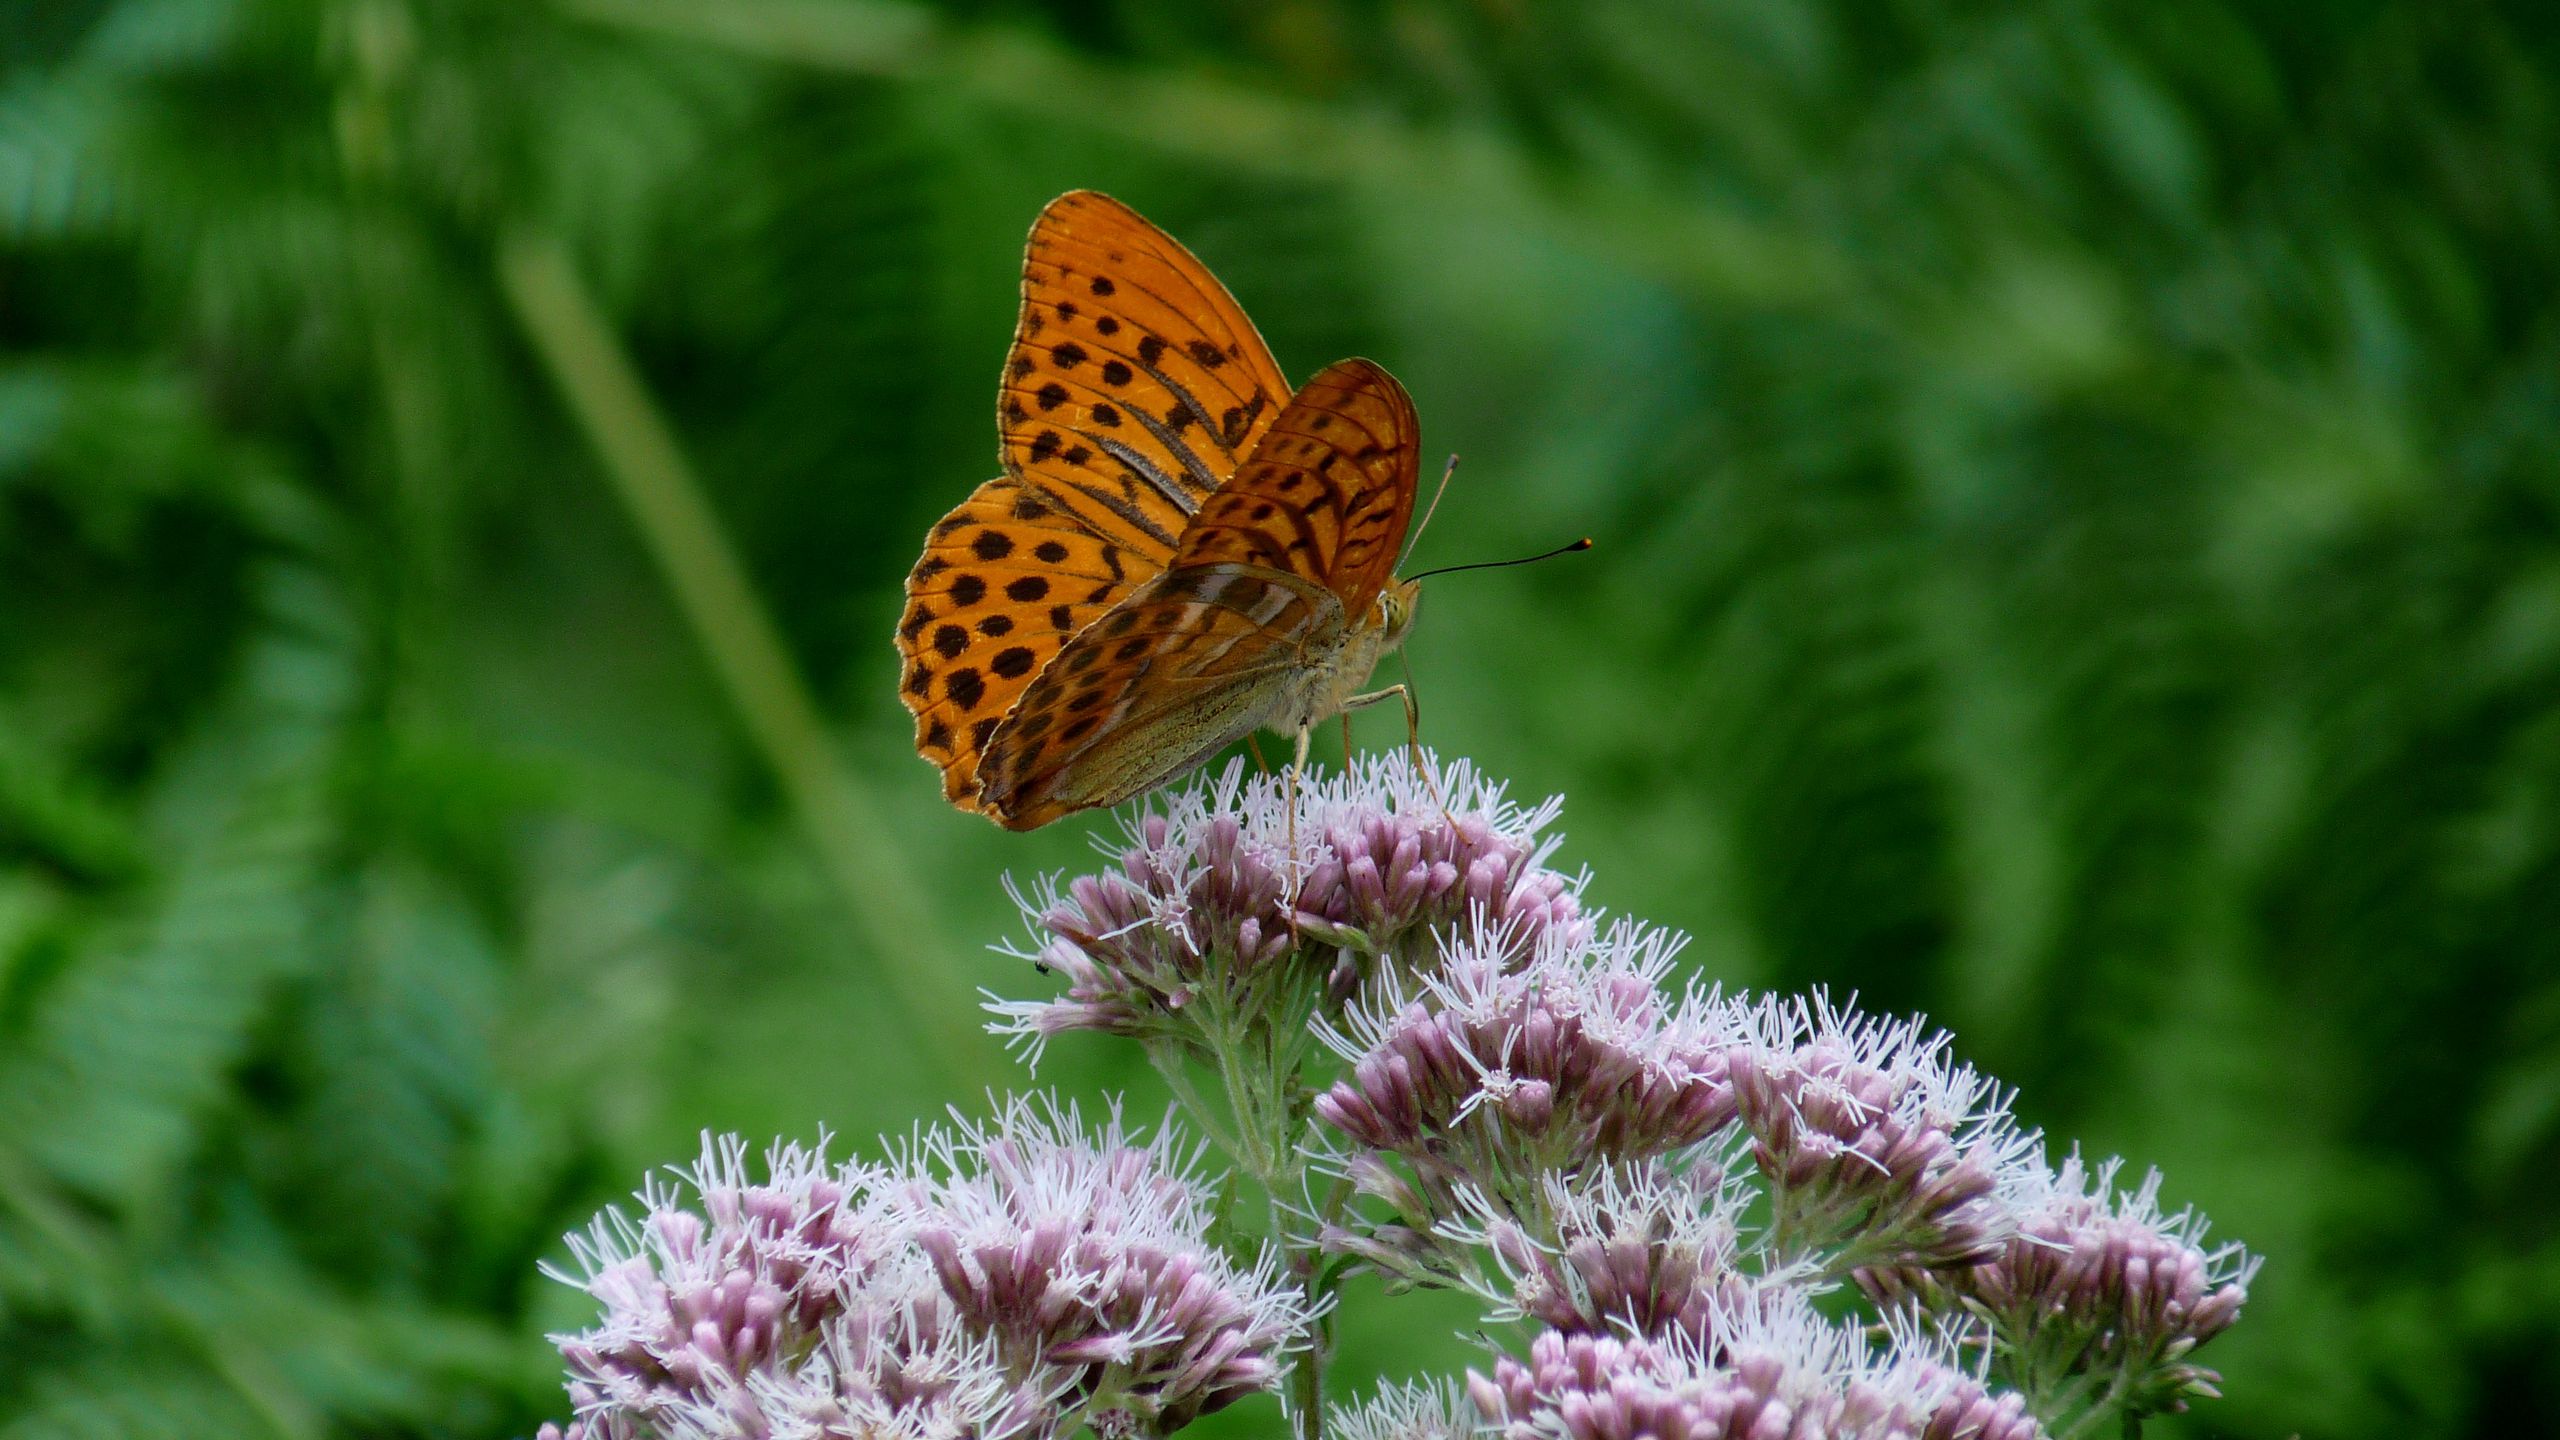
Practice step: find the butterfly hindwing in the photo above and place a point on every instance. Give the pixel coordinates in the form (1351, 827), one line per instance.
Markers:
(1186, 666)
(1328, 492)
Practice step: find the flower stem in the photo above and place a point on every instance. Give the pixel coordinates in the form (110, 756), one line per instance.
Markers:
(1169, 1062)
(638, 452)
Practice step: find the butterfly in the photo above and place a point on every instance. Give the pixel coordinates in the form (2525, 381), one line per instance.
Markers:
(1180, 551)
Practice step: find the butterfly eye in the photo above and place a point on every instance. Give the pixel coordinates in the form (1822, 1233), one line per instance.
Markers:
(1395, 608)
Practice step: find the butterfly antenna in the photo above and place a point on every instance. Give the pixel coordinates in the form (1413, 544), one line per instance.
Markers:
(1582, 544)
(1429, 510)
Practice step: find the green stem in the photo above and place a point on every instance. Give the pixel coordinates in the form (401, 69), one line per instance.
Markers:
(650, 475)
(1169, 1062)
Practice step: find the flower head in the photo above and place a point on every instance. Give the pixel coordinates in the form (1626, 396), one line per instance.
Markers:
(1871, 1138)
(1204, 892)
(697, 1298)
(1771, 1371)
(1090, 1254)
(1492, 1072)
(1408, 1412)
(1019, 1278)
(2094, 1280)
(1650, 1251)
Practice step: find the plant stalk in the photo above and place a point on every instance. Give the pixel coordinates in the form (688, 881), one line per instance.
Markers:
(649, 473)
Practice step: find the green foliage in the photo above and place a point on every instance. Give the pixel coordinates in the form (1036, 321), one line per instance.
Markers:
(2076, 488)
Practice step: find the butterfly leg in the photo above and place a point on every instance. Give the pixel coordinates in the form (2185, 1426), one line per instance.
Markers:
(1260, 765)
(1306, 734)
(1412, 738)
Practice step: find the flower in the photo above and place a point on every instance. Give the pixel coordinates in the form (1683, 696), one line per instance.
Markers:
(1090, 1254)
(1493, 1073)
(1205, 910)
(1020, 1278)
(1771, 1371)
(1408, 1412)
(1871, 1138)
(696, 1301)
(1648, 1251)
(913, 1371)
(2095, 1280)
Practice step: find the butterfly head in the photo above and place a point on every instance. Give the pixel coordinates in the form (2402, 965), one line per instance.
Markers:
(1396, 606)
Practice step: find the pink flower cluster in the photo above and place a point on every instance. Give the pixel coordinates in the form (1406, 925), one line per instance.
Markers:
(1871, 1138)
(1781, 1374)
(1205, 894)
(1495, 1070)
(2094, 1280)
(1020, 1278)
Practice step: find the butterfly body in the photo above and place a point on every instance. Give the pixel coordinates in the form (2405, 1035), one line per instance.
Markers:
(1181, 550)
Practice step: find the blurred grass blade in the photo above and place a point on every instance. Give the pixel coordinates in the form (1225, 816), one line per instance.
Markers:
(655, 483)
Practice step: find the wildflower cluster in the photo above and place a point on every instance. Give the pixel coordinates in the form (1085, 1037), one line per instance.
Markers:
(1499, 1068)
(1017, 1278)
(2095, 1291)
(1871, 1139)
(1209, 913)
(1434, 1065)
(1776, 1371)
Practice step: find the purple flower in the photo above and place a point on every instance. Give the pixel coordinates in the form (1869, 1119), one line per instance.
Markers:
(1651, 1252)
(1205, 910)
(2094, 1281)
(1408, 1412)
(915, 1372)
(697, 1301)
(1493, 1072)
(1089, 1255)
(1774, 1371)
(1021, 1278)
(1872, 1140)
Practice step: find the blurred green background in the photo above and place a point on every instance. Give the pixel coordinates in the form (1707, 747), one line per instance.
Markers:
(2076, 489)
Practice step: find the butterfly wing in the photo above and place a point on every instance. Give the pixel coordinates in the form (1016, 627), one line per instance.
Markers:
(1134, 384)
(1328, 493)
(1188, 665)
(1275, 571)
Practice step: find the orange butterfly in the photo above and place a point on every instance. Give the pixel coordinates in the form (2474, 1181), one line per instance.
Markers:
(1180, 551)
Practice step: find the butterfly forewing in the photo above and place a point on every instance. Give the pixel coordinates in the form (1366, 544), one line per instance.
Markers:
(1133, 385)
(1135, 382)
(1003, 582)
(1268, 579)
